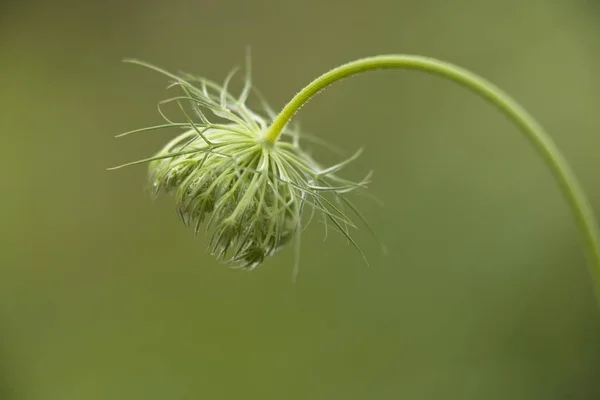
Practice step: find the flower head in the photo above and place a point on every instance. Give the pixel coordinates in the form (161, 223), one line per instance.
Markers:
(248, 194)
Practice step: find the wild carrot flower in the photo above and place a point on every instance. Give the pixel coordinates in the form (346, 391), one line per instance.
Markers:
(248, 194)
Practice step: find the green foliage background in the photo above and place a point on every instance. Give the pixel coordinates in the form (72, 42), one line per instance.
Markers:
(484, 295)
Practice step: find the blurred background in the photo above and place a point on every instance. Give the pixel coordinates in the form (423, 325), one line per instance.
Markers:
(484, 294)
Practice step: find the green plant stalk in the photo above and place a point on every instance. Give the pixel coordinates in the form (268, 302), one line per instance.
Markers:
(541, 141)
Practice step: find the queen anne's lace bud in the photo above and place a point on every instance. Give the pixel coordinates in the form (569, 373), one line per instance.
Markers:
(248, 194)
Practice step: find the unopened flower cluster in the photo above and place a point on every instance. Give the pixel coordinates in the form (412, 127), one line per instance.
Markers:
(250, 196)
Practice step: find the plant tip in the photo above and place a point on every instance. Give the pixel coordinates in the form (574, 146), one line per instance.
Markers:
(250, 195)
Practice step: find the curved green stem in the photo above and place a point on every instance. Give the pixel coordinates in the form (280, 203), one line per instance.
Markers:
(559, 167)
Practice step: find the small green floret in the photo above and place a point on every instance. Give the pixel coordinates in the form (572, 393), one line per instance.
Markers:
(249, 195)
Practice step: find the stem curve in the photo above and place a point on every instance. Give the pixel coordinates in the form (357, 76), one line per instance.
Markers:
(541, 141)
